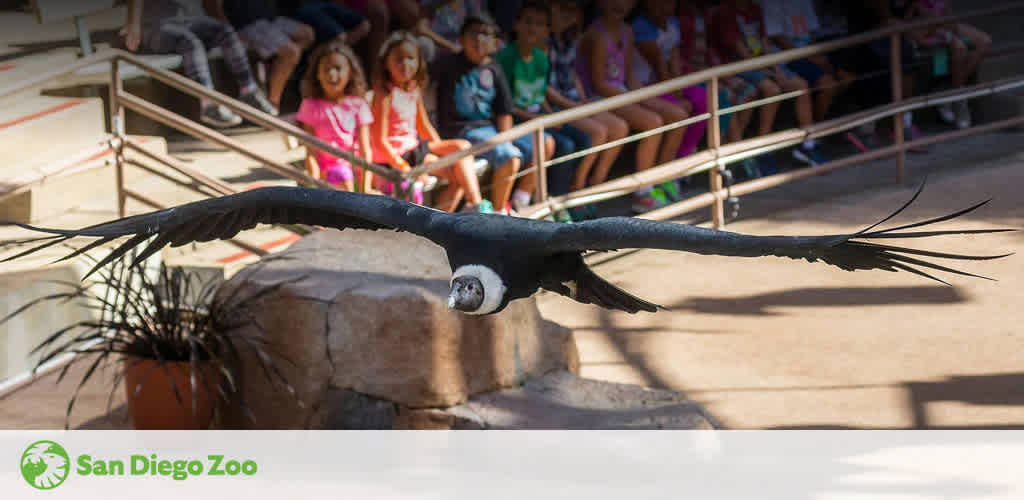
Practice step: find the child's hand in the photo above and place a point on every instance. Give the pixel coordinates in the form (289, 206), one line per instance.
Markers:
(132, 34)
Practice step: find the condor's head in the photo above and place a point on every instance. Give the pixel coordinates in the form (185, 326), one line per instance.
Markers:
(476, 289)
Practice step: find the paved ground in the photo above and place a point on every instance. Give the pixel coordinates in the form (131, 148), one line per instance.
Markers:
(773, 343)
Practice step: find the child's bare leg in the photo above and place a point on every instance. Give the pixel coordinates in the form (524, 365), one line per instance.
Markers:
(980, 42)
(595, 130)
(504, 178)
(804, 108)
(640, 118)
(616, 128)
(767, 88)
(463, 173)
(669, 113)
(827, 90)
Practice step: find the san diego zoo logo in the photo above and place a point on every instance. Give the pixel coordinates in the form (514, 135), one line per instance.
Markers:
(45, 465)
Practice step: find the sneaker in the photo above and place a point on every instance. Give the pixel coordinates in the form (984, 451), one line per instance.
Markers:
(672, 189)
(864, 142)
(583, 213)
(259, 101)
(653, 200)
(563, 217)
(747, 169)
(219, 116)
(946, 113)
(963, 115)
(485, 207)
(810, 156)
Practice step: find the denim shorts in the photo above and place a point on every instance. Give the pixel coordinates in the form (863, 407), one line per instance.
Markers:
(497, 156)
(525, 145)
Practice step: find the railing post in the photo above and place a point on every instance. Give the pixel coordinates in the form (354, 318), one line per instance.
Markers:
(714, 141)
(117, 131)
(896, 69)
(541, 167)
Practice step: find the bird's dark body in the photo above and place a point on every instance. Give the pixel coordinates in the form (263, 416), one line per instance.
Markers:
(525, 254)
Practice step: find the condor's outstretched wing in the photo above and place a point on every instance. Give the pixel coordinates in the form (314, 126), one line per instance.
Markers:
(846, 251)
(224, 217)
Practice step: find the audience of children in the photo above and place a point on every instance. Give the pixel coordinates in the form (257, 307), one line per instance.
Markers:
(545, 57)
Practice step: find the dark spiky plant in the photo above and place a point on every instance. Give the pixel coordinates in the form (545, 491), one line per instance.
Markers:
(169, 316)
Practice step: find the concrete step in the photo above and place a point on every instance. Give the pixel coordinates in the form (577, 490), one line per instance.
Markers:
(53, 147)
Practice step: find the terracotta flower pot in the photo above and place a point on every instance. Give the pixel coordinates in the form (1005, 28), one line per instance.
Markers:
(155, 407)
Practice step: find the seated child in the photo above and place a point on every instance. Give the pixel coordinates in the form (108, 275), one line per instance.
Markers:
(792, 24)
(280, 39)
(401, 120)
(184, 28)
(607, 71)
(699, 54)
(526, 67)
(740, 31)
(333, 109)
(565, 90)
(658, 58)
(474, 103)
(967, 47)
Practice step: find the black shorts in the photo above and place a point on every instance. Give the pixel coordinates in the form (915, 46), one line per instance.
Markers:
(416, 155)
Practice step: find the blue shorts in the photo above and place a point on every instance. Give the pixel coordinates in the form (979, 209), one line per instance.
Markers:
(754, 77)
(497, 156)
(807, 70)
(525, 145)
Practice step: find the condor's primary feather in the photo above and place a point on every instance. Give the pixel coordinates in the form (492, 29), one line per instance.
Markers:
(496, 259)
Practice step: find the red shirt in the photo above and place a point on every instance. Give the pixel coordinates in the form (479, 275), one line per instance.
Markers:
(732, 24)
(696, 49)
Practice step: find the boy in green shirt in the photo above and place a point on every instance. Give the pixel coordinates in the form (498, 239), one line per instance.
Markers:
(527, 69)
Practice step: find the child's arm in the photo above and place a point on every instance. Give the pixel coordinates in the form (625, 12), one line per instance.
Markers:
(556, 98)
(523, 114)
(650, 52)
(382, 108)
(423, 125)
(599, 65)
(366, 180)
(312, 169)
(503, 122)
(631, 82)
(132, 30)
(423, 28)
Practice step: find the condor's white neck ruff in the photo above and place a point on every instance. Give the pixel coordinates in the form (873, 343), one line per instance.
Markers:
(494, 288)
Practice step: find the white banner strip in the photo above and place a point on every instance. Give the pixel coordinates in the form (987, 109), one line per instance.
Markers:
(846, 465)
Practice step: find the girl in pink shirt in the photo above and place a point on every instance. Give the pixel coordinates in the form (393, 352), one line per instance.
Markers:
(401, 121)
(333, 109)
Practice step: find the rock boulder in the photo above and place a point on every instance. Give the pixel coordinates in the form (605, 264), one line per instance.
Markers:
(365, 311)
